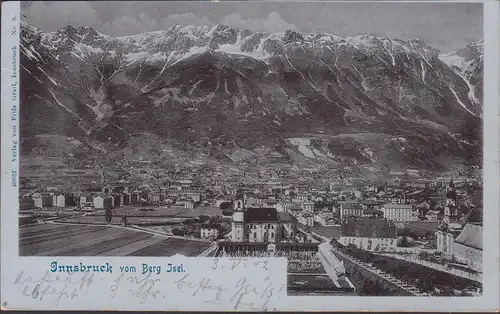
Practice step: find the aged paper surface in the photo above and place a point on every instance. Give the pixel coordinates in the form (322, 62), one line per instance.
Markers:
(250, 156)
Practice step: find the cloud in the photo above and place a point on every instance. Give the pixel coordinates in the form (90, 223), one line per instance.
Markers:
(185, 19)
(274, 23)
(128, 25)
(56, 15)
(51, 16)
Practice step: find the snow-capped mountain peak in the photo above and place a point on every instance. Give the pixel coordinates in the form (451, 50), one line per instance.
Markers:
(248, 83)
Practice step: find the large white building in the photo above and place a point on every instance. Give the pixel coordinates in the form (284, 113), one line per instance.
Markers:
(260, 224)
(368, 234)
(399, 212)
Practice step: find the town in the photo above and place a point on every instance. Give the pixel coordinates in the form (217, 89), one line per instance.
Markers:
(342, 235)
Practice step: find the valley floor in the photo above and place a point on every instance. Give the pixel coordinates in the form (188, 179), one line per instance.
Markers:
(53, 239)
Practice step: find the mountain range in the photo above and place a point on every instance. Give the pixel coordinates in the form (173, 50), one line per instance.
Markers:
(215, 94)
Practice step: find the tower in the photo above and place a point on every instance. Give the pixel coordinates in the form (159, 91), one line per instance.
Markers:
(451, 208)
(238, 220)
(451, 194)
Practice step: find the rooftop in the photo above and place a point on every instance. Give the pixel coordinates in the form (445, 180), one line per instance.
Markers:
(285, 217)
(471, 236)
(368, 228)
(397, 206)
(475, 215)
(351, 206)
(261, 215)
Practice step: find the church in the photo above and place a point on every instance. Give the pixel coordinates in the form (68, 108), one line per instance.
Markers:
(460, 238)
(264, 225)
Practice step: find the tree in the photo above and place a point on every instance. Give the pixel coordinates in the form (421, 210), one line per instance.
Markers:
(403, 241)
(204, 218)
(224, 227)
(178, 232)
(369, 288)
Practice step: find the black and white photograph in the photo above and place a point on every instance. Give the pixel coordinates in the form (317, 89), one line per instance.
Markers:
(344, 136)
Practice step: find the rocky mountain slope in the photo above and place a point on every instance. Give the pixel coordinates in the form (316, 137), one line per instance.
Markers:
(218, 93)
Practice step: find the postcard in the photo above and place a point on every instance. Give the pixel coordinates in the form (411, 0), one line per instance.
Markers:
(250, 156)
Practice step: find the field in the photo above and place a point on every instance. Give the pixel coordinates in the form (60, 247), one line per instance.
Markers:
(42, 160)
(332, 232)
(99, 219)
(167, 211)
(83, 240)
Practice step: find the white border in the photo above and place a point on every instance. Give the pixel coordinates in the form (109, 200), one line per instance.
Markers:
(488, 302)
(9, 200)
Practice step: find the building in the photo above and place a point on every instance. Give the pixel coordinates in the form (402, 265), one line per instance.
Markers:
(398, 199)
(117, 200)
(134, 198)
(306, 218)
(271, 203)
(468, 246)
(308, 206)
(368, 234)
(462, 240)
(371, 204)
(398, 212)
(373, 213)
(288, 225)
(301, 237)
(98, 202)
(186, 203)
(445, 239)
(451, 212)
(209, 232)
(84, 199)
(154, 197)
(126, 197)
(260, 224)
(432, 215)
(42, 200)
(102, 202)
(323, 216)
(302, 197)
(195, 195)
(58, 200)
(351, 209)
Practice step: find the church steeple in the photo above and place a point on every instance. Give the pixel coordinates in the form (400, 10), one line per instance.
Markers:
(240, 203)
(451, 194)
(451, 209)
(238, 219)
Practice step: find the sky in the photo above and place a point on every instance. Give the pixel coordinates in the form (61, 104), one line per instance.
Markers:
(446, 26)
